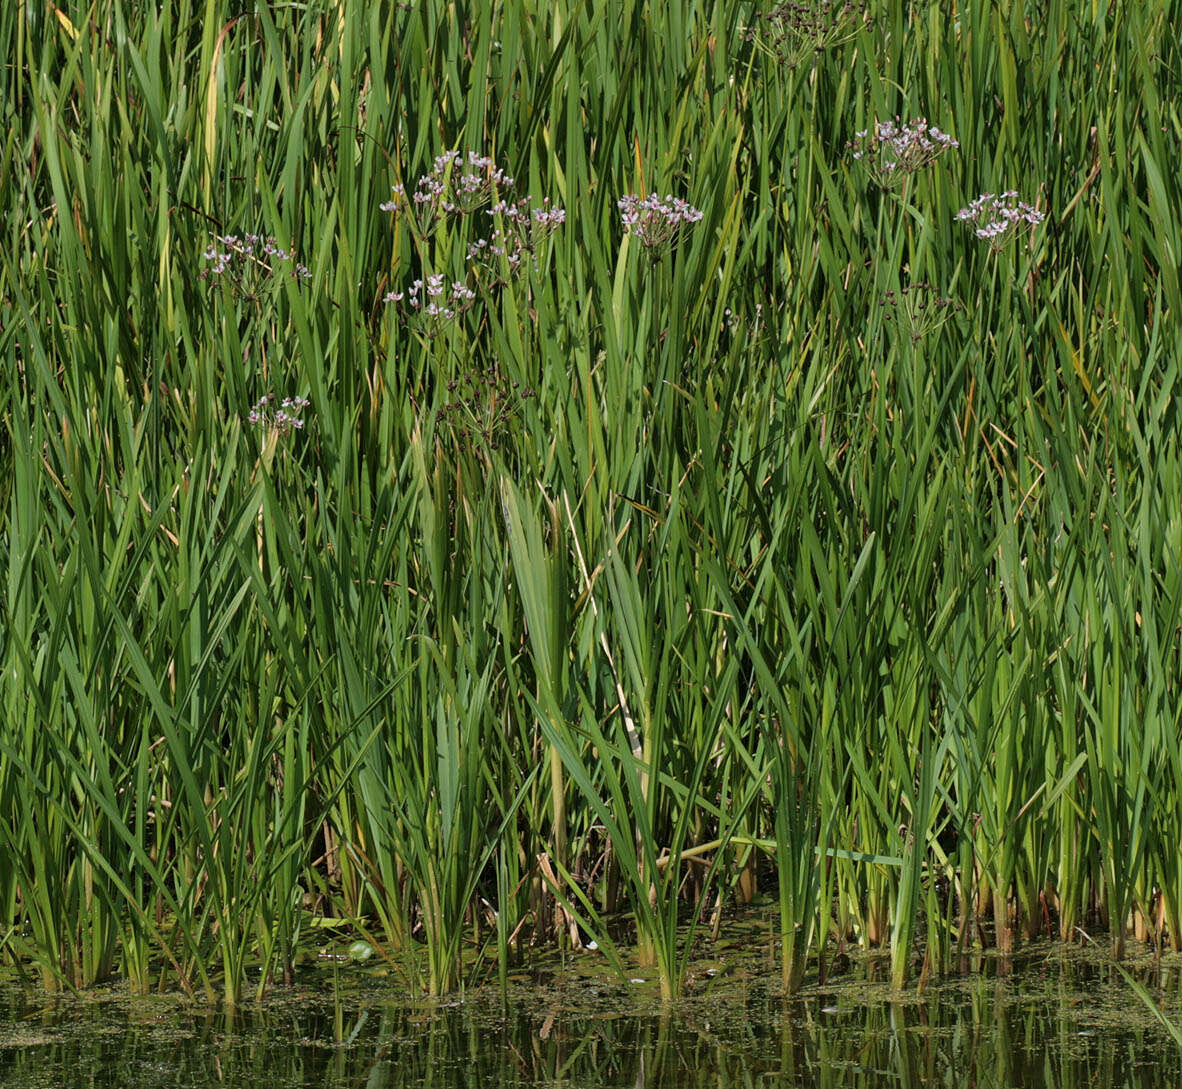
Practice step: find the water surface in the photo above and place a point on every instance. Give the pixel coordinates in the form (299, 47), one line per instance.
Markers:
(1055, 1019)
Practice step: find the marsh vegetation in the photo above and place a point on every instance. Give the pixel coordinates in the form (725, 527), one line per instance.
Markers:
(488, 477)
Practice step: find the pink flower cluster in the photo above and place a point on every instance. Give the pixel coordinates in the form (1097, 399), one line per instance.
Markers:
(996, 218)
(520, 234)
(454, 185)
(282, 418)
(892, 150)
(249, 254)
(433, 301)
(656, 221)
(457, 186)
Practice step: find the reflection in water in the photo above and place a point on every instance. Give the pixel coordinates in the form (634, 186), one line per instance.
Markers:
(1027, 1030)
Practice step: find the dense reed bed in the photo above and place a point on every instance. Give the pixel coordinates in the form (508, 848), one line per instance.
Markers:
(474, 576)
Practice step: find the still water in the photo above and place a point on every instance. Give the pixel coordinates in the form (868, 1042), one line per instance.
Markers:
(1053, 1019)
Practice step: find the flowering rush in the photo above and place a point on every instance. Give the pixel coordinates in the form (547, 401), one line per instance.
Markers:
(470, 188)
(455, 185)
(920, 309)
(996, 219)
(656, 221)
(239, 256)
(796, 30)
(521, 232)
(282, 416)
(892, 150)
(433, 300)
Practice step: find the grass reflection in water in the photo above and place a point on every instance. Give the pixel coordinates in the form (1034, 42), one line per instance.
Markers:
(1053, 1021)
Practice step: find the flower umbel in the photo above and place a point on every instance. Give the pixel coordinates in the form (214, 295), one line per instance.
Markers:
(997, 219)
(432, 301)
(456, 188)
(279, 416)
(455, 185)
(892, 151)
(795, 31)
(656, 221)
(919, 309)
(484, 408)
(244, 261)
(521, 231)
